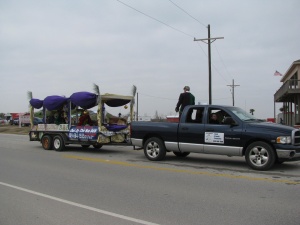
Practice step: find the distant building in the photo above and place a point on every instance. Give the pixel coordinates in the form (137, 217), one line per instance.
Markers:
(144, 118)
(289, 95)
(173, 118)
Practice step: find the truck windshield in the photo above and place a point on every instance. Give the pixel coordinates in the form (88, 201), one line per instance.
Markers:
(242, 114)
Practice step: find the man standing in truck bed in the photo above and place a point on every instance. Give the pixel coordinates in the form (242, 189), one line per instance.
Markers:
(185, 98)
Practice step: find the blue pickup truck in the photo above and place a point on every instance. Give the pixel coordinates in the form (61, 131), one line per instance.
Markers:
(233, 132)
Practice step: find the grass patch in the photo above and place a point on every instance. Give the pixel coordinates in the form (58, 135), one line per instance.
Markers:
(13, 129)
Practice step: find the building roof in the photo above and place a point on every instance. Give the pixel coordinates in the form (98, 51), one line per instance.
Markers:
(290, 69)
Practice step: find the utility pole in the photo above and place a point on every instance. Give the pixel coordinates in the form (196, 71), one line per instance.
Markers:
(209, 41)
(233, 86)
(137, 106)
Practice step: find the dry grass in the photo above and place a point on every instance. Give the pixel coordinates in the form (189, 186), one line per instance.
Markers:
(13, 129)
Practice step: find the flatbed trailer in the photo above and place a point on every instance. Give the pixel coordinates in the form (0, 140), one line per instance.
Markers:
(57, 136)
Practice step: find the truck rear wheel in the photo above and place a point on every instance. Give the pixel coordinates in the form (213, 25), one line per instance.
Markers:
(260, 156)
(154, 149)
(58, 143)
(47, 142)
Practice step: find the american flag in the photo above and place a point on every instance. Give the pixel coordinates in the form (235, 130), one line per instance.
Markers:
(277, 73)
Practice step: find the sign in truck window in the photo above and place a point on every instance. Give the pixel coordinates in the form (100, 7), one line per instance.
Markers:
(212, 137)
(83, 133)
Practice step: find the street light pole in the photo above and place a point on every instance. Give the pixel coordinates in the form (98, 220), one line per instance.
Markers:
(209, 41)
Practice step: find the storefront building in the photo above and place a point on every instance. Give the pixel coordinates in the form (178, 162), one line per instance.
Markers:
(289, 95)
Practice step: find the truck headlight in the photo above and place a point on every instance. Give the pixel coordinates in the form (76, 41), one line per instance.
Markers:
(284, 140)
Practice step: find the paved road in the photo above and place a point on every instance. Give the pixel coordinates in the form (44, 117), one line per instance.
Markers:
(117, 185)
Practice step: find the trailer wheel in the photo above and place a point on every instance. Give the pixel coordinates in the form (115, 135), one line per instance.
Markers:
(58, 143)
(154, 149)
(181, 154)
(97, 146)
(47, 142)
(260, 156)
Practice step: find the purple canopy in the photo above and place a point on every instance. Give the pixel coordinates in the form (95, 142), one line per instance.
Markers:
(54, 102)
(36, 103)
(115, 127)
(85, 100)
(117, 102)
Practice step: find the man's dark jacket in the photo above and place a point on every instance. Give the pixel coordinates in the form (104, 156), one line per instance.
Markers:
(185, 99)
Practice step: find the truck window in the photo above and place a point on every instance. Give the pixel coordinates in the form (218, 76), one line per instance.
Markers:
(194, 115)
(217, 116)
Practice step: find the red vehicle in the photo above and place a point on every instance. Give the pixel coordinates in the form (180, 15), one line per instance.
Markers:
(13, 118)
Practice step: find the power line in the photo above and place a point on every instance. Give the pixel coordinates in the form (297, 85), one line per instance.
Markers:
(158, 97)
(187, 13)
(209, 41)
(222, 61)
(199, 44)
(173, 99)
(176, 28)
(155, 19)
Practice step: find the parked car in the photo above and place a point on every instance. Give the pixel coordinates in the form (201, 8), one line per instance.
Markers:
(14, 121)
(37, 121)
(3, 121)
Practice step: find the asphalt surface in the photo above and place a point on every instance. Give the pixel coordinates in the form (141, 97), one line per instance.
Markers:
(117, 185)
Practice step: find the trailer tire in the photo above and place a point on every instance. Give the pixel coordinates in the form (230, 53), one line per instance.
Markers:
(154, 149)
(85, 146)
(47, 142)
(97, 146)
(58, 143)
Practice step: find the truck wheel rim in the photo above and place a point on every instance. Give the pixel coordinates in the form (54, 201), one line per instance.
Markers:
(258, 156)
(46, 143)
(152, 149)
(56, 144)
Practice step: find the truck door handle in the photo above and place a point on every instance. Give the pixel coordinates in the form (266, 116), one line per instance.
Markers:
(184, 128)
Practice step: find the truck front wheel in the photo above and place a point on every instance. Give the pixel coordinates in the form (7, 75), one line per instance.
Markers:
(58, 143)
(260, 156)
(154, 149)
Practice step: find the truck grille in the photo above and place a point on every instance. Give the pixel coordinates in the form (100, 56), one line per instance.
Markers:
(296, 137)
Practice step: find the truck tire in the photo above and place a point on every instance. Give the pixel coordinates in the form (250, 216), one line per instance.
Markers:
(47, 142)
(260, 156)
(154, 149)
(58, 143)
(181, 154)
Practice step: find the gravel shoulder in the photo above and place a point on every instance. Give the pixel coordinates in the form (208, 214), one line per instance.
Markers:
(13, 129)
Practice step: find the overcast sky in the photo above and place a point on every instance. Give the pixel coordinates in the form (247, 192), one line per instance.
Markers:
(59, 47)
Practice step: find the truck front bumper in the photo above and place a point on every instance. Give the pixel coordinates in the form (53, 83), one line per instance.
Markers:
(288, 155)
